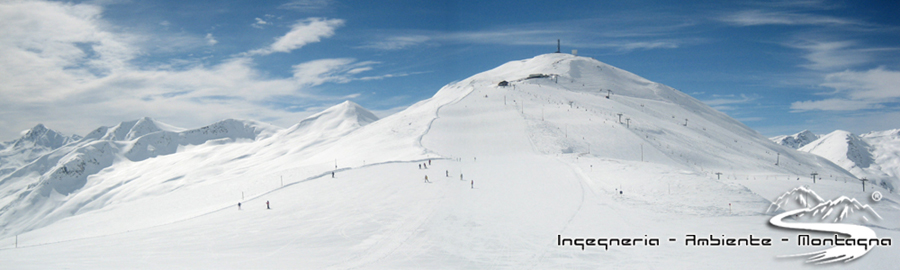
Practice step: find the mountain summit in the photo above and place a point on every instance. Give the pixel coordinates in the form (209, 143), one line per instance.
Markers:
(340, 118)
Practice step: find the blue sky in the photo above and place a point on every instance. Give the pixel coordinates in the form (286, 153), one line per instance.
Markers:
(777, 66)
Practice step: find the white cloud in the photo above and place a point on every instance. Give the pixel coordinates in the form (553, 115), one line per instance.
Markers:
(63, 67)
(856, 90)
(48, 46)
(876, 84)
(307, 5)
(337, 70)
(637, 38)
(722, 103)
(210, 39)
(303, 32)
(832, 55)
(260, 23)
(397, 42)
(833, 104)
(761, 17)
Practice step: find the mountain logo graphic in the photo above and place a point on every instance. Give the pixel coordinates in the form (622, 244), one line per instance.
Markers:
(812, 213)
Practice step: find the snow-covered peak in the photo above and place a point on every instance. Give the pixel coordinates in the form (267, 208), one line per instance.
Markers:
(797, 140)
(843, 148)
(129, 130)
(42, 136)
(591, 75)
(340, 118)
(893, 134)
(34, 143)
(229, 128)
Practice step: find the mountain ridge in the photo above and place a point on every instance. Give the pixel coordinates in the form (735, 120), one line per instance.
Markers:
(874, 155)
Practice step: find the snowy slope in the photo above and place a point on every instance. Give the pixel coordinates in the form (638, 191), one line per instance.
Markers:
(511, 169)
(797, 140)
(886, 151)
(52, 186)
(855, 154)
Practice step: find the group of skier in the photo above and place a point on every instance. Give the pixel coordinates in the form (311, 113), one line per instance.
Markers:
(421, 166)
(446, 173)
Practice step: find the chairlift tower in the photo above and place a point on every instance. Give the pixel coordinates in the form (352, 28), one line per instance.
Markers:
(814, 176)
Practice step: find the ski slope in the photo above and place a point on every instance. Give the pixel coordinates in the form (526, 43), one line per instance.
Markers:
(511, 170)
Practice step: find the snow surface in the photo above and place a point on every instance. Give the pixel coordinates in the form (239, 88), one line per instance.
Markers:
(511, 169)
(878, 161)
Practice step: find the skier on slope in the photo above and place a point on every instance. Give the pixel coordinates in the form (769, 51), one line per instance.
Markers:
(426, 179)
(420, 166)
(267, 205)
(239, 205)
(473, 184)
(447, 173)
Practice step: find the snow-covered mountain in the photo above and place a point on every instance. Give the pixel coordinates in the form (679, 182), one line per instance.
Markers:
(874, 156)
(797, 140)
(31, 194)
(34, 143)
(571, 147)
(885, 149)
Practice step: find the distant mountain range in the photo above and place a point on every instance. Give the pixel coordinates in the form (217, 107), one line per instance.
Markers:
(874, 155)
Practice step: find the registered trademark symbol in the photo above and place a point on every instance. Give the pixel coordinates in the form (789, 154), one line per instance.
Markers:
(876, 196)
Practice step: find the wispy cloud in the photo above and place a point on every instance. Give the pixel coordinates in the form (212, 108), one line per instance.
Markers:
(856, 90)
(727, 102)
(210, 39)
(260, 23)
(63, 66)
(397, 42)
(307, 5)
(528, 37)
(303, 32)
(833, 104)
(337, 70)
(831, 55)
(873, 84)
(765, 17)
(839, 65)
